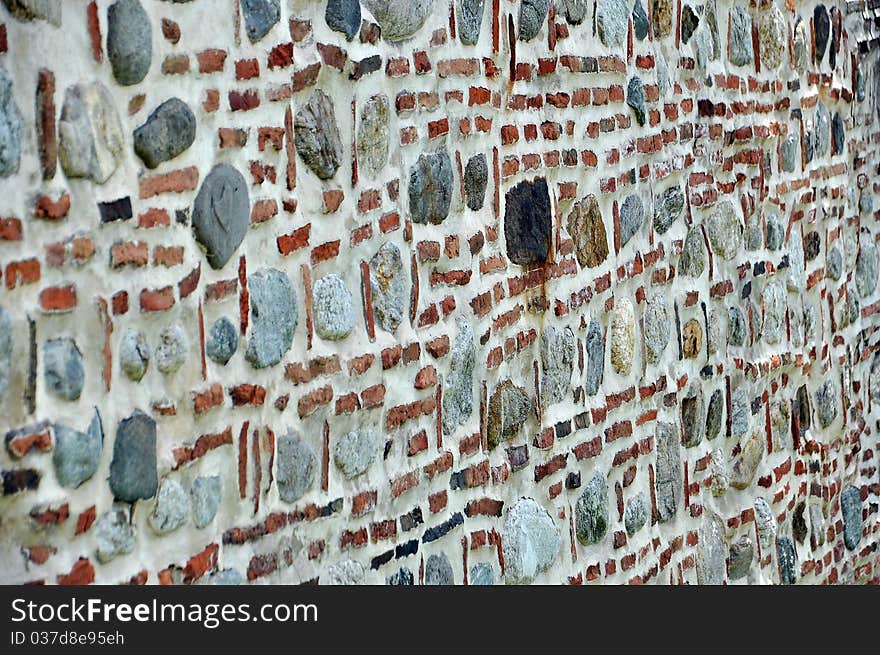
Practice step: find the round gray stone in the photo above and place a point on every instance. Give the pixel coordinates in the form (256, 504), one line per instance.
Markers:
(90, 139)
(741, 52)
(133, 474)
(591, 511)
(775, 233)
(714, 414)
(834, 264)
(273, 317)
(595, 347)
(343, 16)
(470, 18)
(134, 354)
(458, 386)
(509, 407)
(668, 206)
(736, 327)
(172, 507)
(10, 127)
(399, 19)
(530, 543)
(612, 22)
(430, 188)
(867, 269)
(6, 350)
(789, 153)
(373, 136)
(129, 41)
(205, 498)
(826, 403)
(388, 287)
(692, 262)
(294, 467)
(76, 455)
(635, 98)
(558, 351)
(345, 573)
(438, 570)
(657, 323)
(221, 214)
(316, 135)
(356, 451)
(333, 308)
(532, 14)
(168, 132)
(476, 177)
(222, 341)
(742, 553)
(172, 349)
(63, 370)
(114, 535)
(636, 514)
(725, 230)
(632, 215)
(851, 509)
(259, 17)
(482, 575)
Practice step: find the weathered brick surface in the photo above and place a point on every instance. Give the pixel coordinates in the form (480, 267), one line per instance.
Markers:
(644, 267)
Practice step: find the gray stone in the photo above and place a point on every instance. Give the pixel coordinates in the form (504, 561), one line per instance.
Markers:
(470, 19)
(826, 403)
(587, 229)
(530, 543)
(481, 575)
(10, 127)
(438, 570)
(834, 264)
(591, 511)
(817, 526)
(114, 535)
(133, 474)
(532, 14)
(838, 134)
(822, 26)
(332, 307)
(205, 497)
(134, 354)
(612, 22)
(430, 188)
(740, 413)
(668, 206)
(742, 473)
(129, 41)
(775, 306)
(527, 222)
(664, 81)
(172, 507)
(90, 137)
(509, 407)
(736, 327)
(711, 552)
(172, 349)
(6, 351)
(221, 214)
(689, 23)
(345, 573)
(851, 509)
(775, 233)
(558, 352)
(632, 215)
(741, 52)
(714, 414)
(373, 136)
(77, 454)
(225, 577)
(622, 335)
(635, 98)
(657, 323)
(787, 561)
(822, 130)
(765, 524)
(724, 230)
(773, 38)
(169, 130)
(476, 177)
(801, 47)
(636, 514)
(575, 11)
(388, 287)
(715, 335)
(809, 144)
(294, 467)
(866, 202)
(692, 262)
(797, 277)
(222, 341)
(719, 472)
(741, 555)
(662, 12)
(356, 451)
(316, 135)
(343, 16)
(259, 17)
(867, 269)
(595, 347)
(640, 21)
(399, 19)
(692, 422)
(458, 385)
(273, 317)
(403, 577)
(754, 235)
(790, 153)
(63, 368)
(668, 477)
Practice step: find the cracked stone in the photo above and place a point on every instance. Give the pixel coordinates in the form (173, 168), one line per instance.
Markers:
(134, 354)
(90, 137)
(221, 214)
(273, 317)
(316, 135)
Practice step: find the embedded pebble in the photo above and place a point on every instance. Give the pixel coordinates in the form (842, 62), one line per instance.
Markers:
(530, 543)
(356, 451)
(622, 336)
(222, 341)
(274, 317)
(172, 349)
(332, 307)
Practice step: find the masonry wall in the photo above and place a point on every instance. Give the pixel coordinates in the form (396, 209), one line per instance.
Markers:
(439, 291)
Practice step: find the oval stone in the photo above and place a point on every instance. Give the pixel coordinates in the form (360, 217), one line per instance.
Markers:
(476, 177)
(333, 308)
(587, 229)
(657, 328)
(168, 132)
(430, 188)
(222, 341)
(221, 214)
(372, 135)
(591, 511)
(530, 543)
(273, 317)
(388, 287)
(172, 349)
(294, 467)
(133, 473)
(470, 18)
(316, 135)
(725, 230)
(623, 336)
(356, 451)
(134, 355)
(63, 369)
(129, 41)
(399, 19)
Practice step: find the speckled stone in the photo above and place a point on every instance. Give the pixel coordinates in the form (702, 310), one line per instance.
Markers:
(742, 553)
(622, 332)
(657, 328)
(636, 514)
(509, 407)
(691, 339)
(714, 414)
(780, 424)
(343, 16)
(470, 18)
(388, 287)
(765, 522)
(591, 511)
(356, 451)
(773, 38)
(332, 307)
(741, 52)
(834, 263)
(668, 473)
(222, 341)
(172, 507)
(205, 497)
(719, 472)
(725, 231)
(114, 535)
(640, 20)
(399, 19)
(532, 14)
(692, 262)
(129, 41)
(787, 561)
(221, 214)
(295, 467)
(260, 16)
(715, 335)
(689, 23)
(711, 552)
(481, 575)
(316, 135)
(90, 139)
(530, 543)
(775, 305)
(558, 352)
(736, 327)
(635, 98)
(10, 127)
(587, 229)
(797, 278)
(527, 222)
(744, 467)
(133, 474)
(775, 233)
(662, 12)
(822, 130)
(595, 347)
(575, 11)
(822, 27)
(801, 43)
(632, 215)
(867, 269)
(345, 573)
(691, 412)
(612, 22)
(76, 454)
(458, 385)
(838, 134)
(790, 153)
(812, 245)
(851, 509)
(63, 370)
(476, 177)
(273, 317)
(134, 354)
(826, 403)
(438, 570)
(430, 188)
(168, 132)
(668, 207)
(740, 413)
(172, 349)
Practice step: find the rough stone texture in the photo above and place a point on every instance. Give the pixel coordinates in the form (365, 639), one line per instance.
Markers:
(773, 38)
(273, 311)
(172, 507)
(575, 11)
(668, 206)
(867, 269)
(851, 508)
(662, 17)
(388, 287)
(333, 308)
(134, 355)
(587, 229)
(531, 542)
(532, 14)
(114, 535)
(430, 188)
(76, 454)
(222, 341)
(790, 157)
(636, 515)
(640, 20)
(822, 130)
(63, 370)
(693, 255)
(343, 16)
(774, 312)
(438, 570)
(591, 511)
(714, 414)
(476, 177)
(355, 451)
(10, 127)
(316, 135)
(796, 275)
(90, 140)
(527, 222)
(169, 131)
(742, 553)
(458, 388)
(612, 22)
(133, 474)
(736, 330)
(129, 41)
(509, 407)
(221, 214)
(826, 403)
(373, 136)
(595, 347)
(822, 27)
(692, 339)
(346, 572)
(787, 558)
(692, 421)
(622, 335)
(744, 467)
(725, 231)
(689, 23)
(632, 215)
(399, 19)
(470, 17)
(295, 467)
(482, 575)
(668, 474)
(259, 17)
(657, 328)
(47, 10)
(801, 46)
(765, 523)
(558, 352)
(741, 52)
(711, 552)
(205, 499)
(838, 134)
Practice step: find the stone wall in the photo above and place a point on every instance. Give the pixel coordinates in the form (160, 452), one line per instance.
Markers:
(429, 291)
